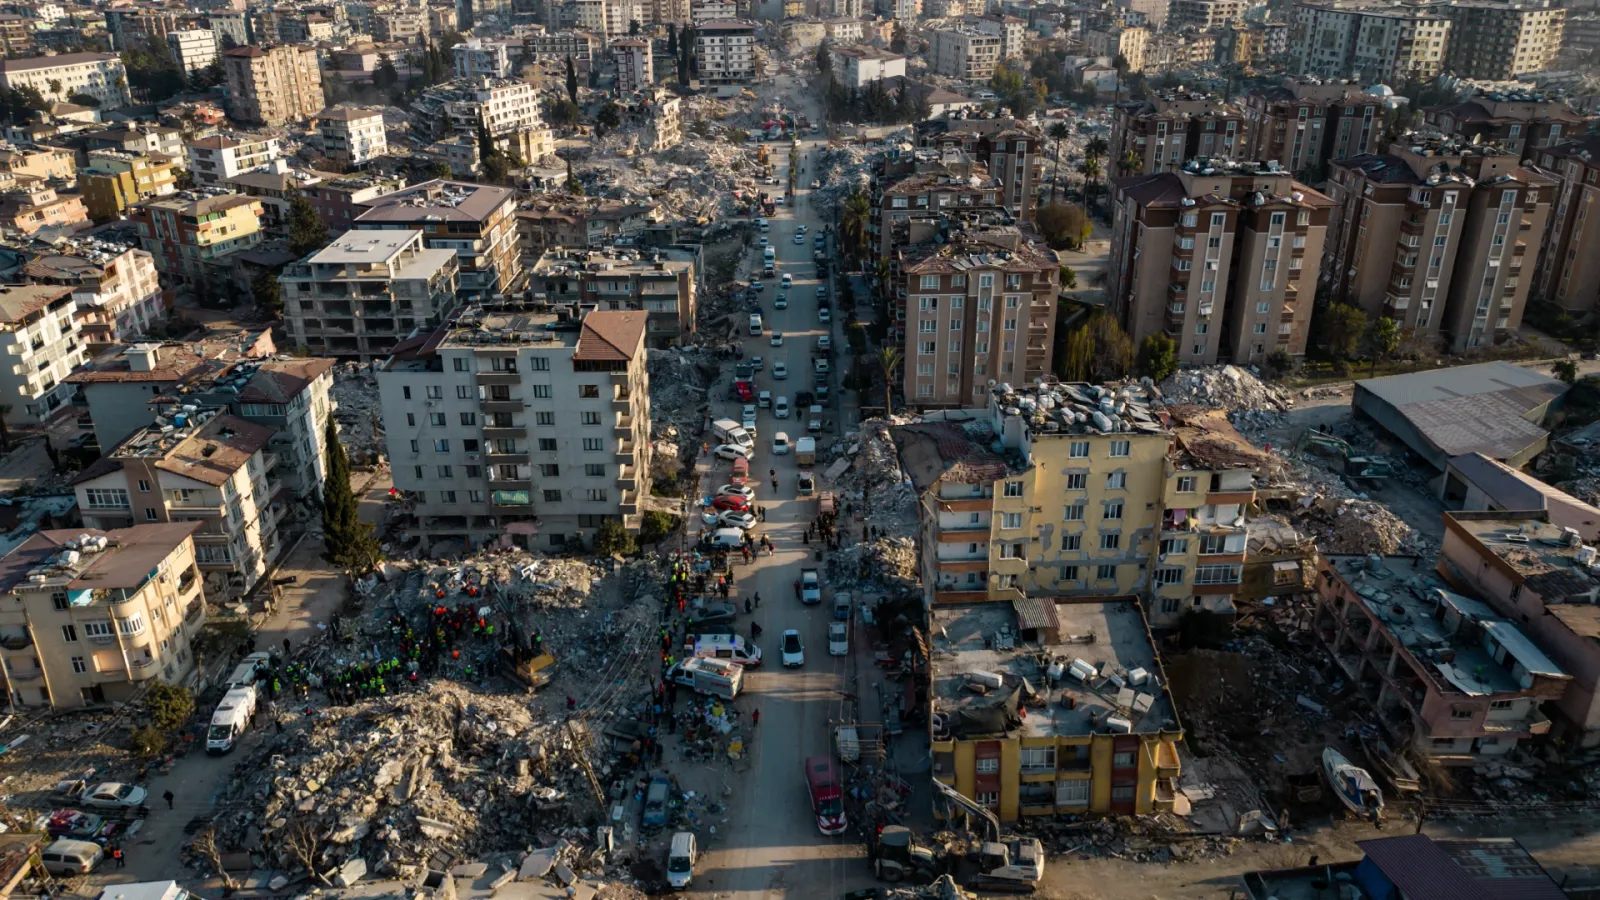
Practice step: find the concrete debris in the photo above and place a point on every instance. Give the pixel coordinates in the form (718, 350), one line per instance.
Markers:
(1226, 387)
(680, 401)
(355, 392)
(875, 488)
(1353, 525)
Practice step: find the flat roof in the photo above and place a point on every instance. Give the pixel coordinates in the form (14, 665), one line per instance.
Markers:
(434, 201)
(365, 248)
(19, 301)
(1535, 549)
(51, 62)
(1483, 408)
(133, 555)
(1106, 640)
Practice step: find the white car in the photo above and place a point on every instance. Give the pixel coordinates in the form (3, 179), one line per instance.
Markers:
(764, 399)
(780, 371)
(821, 366)
(824, 316)
(794, 652)
(777, 339)
(730, 518)
(822, 292)
(782, 302)
(801, 228)
(741, 490)
(758, 286)
(838, 639)
(815, 184)
(757, 363)
(748, 420)
(824, 342)
(115, 795)
(780, 444)
(731, 451)
(780, 407)
(763, 242)
(798, 239)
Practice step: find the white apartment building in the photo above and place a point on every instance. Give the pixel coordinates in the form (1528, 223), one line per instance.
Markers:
(353, 135)
(726, 50)
(1374, 40)
(118, 294)
(842, 9)
(194, 49)
(635, 65)
(609, 17)
(201, 467)
(857, 67)
(362, 294)
(844, 31)
(1012, 32)
(964, 53)
(528, 428)
(902, 10)
(477, 57)
(100, 75)
(215, 159)
(704, 11)
(41, 336)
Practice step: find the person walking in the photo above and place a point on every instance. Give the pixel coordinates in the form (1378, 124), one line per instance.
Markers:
(755, 717)
(116, 854)
(167, 796)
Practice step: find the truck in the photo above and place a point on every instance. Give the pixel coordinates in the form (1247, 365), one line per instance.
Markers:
(716, 677)
(810, 587)
(744, 384)
(826, 506)
(805, 451)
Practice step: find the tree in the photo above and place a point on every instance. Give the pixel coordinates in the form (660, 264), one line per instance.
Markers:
(655, 526)
(611, 538)
(385, 76)
(1113, 349)
(1341, 326)
(633, 28)
(572, 80)
(1062, 226)
(1058, 133)
(1090, 170)
(561, 112)
(609, 117)
(1069, 278)
(1566, 370)
(888, 359)
(824, 62)
(168, 706)
(55, 87)
(346, 540)
(897, 42)
(307, 231)
(854, 217)
(485, 142)
(1078, 359)
(672, 39)
(1130, 161)
(439, 169)
(264, 288)
(1158, 357)
(1383, 339)
(83, 99)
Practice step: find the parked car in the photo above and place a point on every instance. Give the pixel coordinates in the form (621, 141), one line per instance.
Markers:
(733, 518)
(115, 795)
(780, 408)
(799, 239)
(777, 339)
(737, 502)
(737, 490)
(824, 316)
(794, 651)
(838, 639)
(657, 800)
(731, 451)
(824, 342)
(780, 371)
(712, 614)
(764, 400)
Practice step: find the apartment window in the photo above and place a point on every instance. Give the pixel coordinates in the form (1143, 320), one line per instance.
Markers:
(474, 496)
(1078, 481)
(594, 470)
(928, 304)
(927, 348)
(1013, 489)
(442, 445)
(474, 471)
(444, 471)
(463, 392)
(1120, 448)
(1073, 513)
(1110, 542)
(79, 666)
(1011, 551)
(1219, 219)
(541, 392)
(591, 418)
(547, 445)
(69, 633)
(1169, 575)
(1105, 573)
(417, 471)
(1260, 328)
(460, 365)
(144, 486)
(597, 494)
(1117, 480)
(1011, 324)
(149, 514)
(1074, 792)
(550, 470)
(405, 392)
(591, 445)
(1114, 510)
(437, 420)
(551, 496)
(1501, 704)
(538, 364)
(411, 419)
(545, 419)
(435, 392)
(589, 391)
(988, 766)
(1459, 713)
(1071, 543)
(107, 498)
(1011, 520)
(469, 419)
(444, 497)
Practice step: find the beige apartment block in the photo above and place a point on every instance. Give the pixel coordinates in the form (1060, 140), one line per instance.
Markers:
(94, 616)
(1222, 257)
(964, 53)
(277, 86)
(522, 428)
(1569, 260)
(1205, 15)
(661, 284)
(1373, 40)
(353, 136)
(208, 468)
(1306, 122)
(1172, 128)
(1012, 151)
(458, 216)
(1523, 122)
(1128, 43)
(1499, 40)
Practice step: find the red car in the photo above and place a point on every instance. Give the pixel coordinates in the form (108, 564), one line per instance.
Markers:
(731, 501)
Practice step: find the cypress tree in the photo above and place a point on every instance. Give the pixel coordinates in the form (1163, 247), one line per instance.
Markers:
(347, 541)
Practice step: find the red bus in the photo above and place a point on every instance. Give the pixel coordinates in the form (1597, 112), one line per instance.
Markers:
(827, 794)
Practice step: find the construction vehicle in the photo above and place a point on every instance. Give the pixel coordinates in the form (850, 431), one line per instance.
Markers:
(1356, 466)
(898, 858)
(530, 670)
(997, 862)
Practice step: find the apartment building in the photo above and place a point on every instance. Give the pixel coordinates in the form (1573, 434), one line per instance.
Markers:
(41, 334)
(1155, 12)
(276, 86)
(964, 53)
(477, 58)
(114, 181)
(1569, 258)
(920, 195)
(726, 51)
(215, 159)
(1499, 41)
(479, 427)
(339, 200)
(1012, 31)
(458, 216)
(40, 162)
(843, 31)
(94, 616)
(100, 75)
(115, 287)
(557, 220)
(978, 308)
(554, 49)
(16, 36)
(137, 138)
(34, 207)
(200, 467)
(189, 233)
(1370, 40)
(1523, 122)
(635, 65)
(1233, 246)
(1205, 15)
(508, 108)
(1128, 43)
(660, 283)
(1109, 747)
(194, 49)
(1306, 122)
(353, 136)
(857, 67)
(703, 11)
(129, 27)
(1543, 578)
(1011, 150)
(658, 114)
(1171, 129)
(1420, 235)
(400, 25)
(365, 292)
(1257, 44)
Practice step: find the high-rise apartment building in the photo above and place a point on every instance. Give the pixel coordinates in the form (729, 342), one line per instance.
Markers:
(115, 286)
(508, 108)
(215, 159)
(1169, 130)
(1369, 40)
(1502, 39)
(40, 332)
(1116, 40)
(362, 294)
(527, 426)
(100, 75)
(635, 65)
(194, 49)
(97, 620)
(661, 284)
(1435, 234)
(1205, 15)
(275, 86)
(114, 181)
(1569, 258)
(1522, 122)
(964, 53)
(1306, 122)
(1012, 151)
(1222, 257)
(478, 58)
(353, 136)
(726, 51)
(1013, 33)
(1155, 12)
(478, 219)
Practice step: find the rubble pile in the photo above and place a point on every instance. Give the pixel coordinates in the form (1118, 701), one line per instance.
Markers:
(873, 480)
(355, 393)
(697, 179)
(1353, 525)
(888, 561)
(680, 386)
(1225, 387)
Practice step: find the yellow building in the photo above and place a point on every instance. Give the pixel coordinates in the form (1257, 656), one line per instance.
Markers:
(1045, 707)
(43, 163)
(114, 181)
(92, 621)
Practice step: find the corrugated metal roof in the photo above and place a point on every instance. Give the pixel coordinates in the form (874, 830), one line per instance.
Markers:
(1036, 613)
(1421, 870)
(1503, 868)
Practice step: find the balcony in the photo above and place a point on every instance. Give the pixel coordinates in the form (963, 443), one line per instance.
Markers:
(269, 461)
(628, 477)
(194, 613)
(496, 458)
(622, 401)
(510, 484)
(624, 425)
(1009, 565)
(507, 432)
(501, 378)
(625, 449)
(17, 641)
(196, 505)
(501, 406)
(628, 503)
(33, 673)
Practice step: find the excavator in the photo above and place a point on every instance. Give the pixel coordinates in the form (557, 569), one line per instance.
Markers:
(1356, 466)
(995, 863)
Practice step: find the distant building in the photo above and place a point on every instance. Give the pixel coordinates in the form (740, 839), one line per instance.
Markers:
(1498, 409)
(964, 53)
(215, 159)
(276, 86)
(114, 181)
(1170, 129)
(857, 67)
(118, 295)
(100, 75)
(508, 108)
(194, 50)
(339, 200)
(38, 330)
(477, 58)
(189, 234)
(1522, 122)
(1371, 40)
(34, 207)
(1011, 30)
(635, 65)
(1569, 255)
(557, 220)
(352, 136)
(1501, 41)
(1307, 122)
(450, 213)
(660, 283)
(726, 51)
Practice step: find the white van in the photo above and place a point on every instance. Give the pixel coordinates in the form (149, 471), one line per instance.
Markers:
(230, 721)
(247, 672)
(730, 647)
(788, 280)
(731, 538)
(68, 857)
(755, 323)
(780, 444)
(681, 859)
(730, 432)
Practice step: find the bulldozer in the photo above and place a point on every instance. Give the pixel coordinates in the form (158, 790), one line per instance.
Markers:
(993, 862)
(1356, 466)
(898, 858)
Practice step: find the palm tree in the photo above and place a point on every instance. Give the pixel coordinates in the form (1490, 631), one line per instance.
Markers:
(1058, 133)
(1129, 162)
(888, 359)
(853, 217)
(1090, 170)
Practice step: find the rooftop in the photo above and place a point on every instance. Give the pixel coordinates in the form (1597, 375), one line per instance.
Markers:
(1098, 654)
(1069, 408)
(1418, 867)
(477, 327)
(1489, 408)
(169, 361)
(64, 559)
(1547, 558)
(19, 301)
(611, 336)
(349, 114)
(366, 248)
(50, 62)
(205, 447)
(953, 451)
(437, 200)
(1205, 439)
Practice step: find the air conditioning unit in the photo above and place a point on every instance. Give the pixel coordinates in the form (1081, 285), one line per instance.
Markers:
(472, 457)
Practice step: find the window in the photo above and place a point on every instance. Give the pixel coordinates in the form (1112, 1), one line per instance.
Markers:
(1105, 573)
(592, 445)
(930, 282)
(927, 348)
(1073, 793)
(1502, 704)
(1219, 219)
(144, 486)
(1072, 542)
(539, 364)
(598, 494)
(411, 419)
(460, 364)
(469, 419)
(1114, 510)
(1078, 450)
(589, 391)
(551, 496)
(474, 471)
(79, 666)
(547, 445)
(1186, 484)
(988, 799)
(1117, 481)
(436, 420)
(107, 498)
(1013, 489)
(69, 633)
(1111, 541)
(405, 392)
(474, 496)
(442, 445)
(1169, 575)
(444, 472)
(463, 392)
(417, 471)
(1459, 713)
(1078, 481)
(591, 418)
(1174, 545)
(987, 766)
(435, 392)
(97, 629)
(1011, 520)
(1120, 448)
(1073, 513)
(541, 392)
(1039, 758)
(594, 470)
(1012, 551)
(150, 514)
(416, 447)
(447, 496)
(550, 470)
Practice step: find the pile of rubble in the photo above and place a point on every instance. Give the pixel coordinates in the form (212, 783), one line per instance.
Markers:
(1353, 525)
(681, 380)
(1226, 387)
(355, 392)
(885, 561)
(865, 468)
(692, 181)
